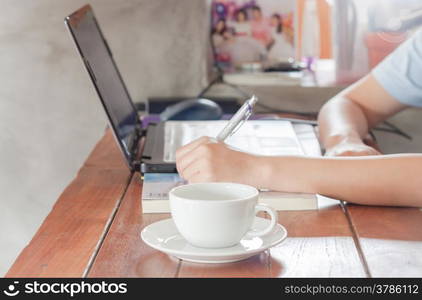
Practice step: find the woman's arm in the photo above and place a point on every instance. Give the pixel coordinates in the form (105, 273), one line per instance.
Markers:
(371, 180)
(344, 121)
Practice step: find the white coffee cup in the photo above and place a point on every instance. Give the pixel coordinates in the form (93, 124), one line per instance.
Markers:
(217, 215)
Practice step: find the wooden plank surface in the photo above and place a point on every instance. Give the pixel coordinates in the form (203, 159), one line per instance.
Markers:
(390, 238)
(123, 253)
(93, 229)
(319, 244)
(253, 267)
(106, 154)
(68, 238)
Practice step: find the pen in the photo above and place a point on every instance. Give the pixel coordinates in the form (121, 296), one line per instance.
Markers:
(238, 119)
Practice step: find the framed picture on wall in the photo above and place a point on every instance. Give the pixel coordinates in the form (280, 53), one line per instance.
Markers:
(252, 33)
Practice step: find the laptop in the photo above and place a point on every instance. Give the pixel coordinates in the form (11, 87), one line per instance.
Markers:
(114, 96)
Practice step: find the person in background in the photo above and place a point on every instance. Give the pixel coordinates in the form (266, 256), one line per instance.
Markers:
(276, 23)
(261, 30)
(280, 49)
(218, 32)
(241, 25)
(352, 170)
(241, 49)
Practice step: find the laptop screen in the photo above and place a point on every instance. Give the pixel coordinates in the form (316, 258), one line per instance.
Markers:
(104, 74)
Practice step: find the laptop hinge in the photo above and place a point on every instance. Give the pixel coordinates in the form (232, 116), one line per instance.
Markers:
(142, 132)
(136, 166)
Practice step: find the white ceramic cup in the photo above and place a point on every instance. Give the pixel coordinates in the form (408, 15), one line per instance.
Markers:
(217, 215)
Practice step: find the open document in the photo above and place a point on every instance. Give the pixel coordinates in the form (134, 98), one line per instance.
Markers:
(262, 137)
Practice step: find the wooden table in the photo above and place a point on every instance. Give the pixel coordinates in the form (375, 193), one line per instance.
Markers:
(94, 228)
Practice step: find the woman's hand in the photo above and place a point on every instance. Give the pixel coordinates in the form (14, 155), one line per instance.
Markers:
(351, 148)
(206, 160)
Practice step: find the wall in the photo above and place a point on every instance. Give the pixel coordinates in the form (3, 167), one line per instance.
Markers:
(50, 117)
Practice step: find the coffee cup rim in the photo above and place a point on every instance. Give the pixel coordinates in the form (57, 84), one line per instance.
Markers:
(255, 194)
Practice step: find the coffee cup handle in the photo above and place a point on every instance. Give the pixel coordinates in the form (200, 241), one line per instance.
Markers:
(273, 222)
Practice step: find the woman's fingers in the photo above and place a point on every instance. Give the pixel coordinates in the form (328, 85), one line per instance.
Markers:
(182, 163)
(191, 146)
(200, 171)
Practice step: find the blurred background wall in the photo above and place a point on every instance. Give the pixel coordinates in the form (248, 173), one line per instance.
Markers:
(50, 117)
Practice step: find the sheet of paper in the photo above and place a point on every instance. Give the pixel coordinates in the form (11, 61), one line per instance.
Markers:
(262, 137)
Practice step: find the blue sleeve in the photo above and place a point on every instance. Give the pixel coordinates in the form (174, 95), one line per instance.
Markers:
(400, 73)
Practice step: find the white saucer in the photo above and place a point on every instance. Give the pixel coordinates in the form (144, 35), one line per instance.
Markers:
(164, 237)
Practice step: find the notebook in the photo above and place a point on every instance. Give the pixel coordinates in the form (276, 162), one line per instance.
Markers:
(263, 137)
